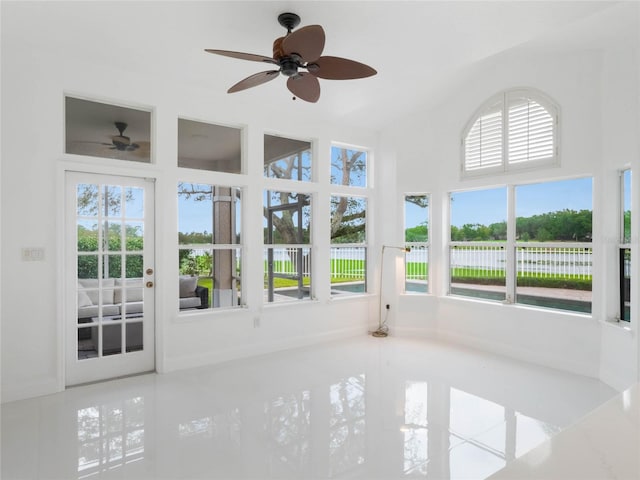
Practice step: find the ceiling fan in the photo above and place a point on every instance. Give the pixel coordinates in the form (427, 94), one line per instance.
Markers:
(121, 142)
(296, 51)
(121, 145)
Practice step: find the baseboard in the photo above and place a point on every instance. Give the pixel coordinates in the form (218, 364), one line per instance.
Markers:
(615, 380)
(518, 353)
(30, 390)
(257, 349)
(414, 332)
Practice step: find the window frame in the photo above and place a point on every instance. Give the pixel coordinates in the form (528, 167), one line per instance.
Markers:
(358, 193)
(357, 189)
(299, 153)
(505, 99)
(624, 244)
(422, 245)
(511, 246)
(269, 249)
(212, 247)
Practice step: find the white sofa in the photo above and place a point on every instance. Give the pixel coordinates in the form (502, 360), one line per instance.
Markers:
(124, 296)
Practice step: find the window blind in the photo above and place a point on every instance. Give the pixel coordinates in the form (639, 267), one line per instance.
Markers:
(483, 144)
(514, 128)
(530, 132)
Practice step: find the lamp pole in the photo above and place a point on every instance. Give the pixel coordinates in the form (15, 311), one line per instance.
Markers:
(383, 328)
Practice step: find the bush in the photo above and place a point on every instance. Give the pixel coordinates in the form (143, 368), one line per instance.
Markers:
(544, 282)
(88, 264)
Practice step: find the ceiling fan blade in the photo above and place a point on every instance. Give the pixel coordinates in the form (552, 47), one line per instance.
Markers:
(242, 56)
(336, 68)
(254, 80)
(307, 42)
(305, 86)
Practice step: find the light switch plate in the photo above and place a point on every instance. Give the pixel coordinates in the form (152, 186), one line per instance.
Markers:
(33, 254)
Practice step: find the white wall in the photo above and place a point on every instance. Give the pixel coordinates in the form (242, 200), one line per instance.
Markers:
(33, 164)
(620, 139)
(598, 136)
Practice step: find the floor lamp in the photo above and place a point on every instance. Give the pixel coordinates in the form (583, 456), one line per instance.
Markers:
(383, 329)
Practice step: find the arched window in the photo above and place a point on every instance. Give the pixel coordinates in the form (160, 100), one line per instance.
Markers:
(514, 129)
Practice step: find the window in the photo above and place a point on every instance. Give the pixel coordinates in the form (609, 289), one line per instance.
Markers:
(541, 255)
(209, 248)
(97, 129)
(286, 158)
(477, 252)
(348, 167)
(204, 146)
(348, 245)
(553, 244)
(287, 239)
(416, 237)
(517, 128)
(625, 246)
(348, 221)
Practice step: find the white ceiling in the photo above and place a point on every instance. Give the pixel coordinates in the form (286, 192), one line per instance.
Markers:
(420, 48)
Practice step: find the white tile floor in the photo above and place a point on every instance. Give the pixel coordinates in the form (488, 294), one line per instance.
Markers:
(361, 408)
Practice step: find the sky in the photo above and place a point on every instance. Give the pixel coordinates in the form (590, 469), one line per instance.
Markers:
(476, 206)
(490, 206)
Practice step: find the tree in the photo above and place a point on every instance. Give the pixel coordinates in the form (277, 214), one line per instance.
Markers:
(88, 199)
(419, 233)
(348, 214)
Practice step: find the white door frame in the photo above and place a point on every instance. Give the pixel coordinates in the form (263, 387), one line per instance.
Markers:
(111, 366)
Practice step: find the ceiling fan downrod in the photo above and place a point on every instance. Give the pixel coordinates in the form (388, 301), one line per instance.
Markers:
(289, 21)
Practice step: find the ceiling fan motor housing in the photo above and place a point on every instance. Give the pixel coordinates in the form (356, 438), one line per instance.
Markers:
(289, 64)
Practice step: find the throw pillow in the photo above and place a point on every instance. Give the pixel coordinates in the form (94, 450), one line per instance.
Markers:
(133, 294)
(188, 286)
(83, 299)
(107, 289)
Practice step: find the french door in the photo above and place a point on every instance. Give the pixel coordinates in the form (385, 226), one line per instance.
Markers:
(109, 260)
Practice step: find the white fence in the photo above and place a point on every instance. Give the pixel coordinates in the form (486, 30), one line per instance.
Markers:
(569, 262)
(346, 262)
(285, 261)
(416, 262)
(349, 262)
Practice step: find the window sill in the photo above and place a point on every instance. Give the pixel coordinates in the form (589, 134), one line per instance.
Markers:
(198, 315)
(618, 325)
(352, 296)
(520, 306)
(291, 303)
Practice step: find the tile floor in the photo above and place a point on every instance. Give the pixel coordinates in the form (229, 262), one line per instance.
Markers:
(365, 408)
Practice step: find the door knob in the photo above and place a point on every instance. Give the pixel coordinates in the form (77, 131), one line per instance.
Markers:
(149, 284)
(149, 271)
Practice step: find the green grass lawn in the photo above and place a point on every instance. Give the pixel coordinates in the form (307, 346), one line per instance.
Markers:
(478, 276)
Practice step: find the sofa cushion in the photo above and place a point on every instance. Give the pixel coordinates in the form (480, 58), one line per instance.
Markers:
(188, 286)
(107, 289)
(190, 302)
(92, 311)
(133, 287)
(131, 307)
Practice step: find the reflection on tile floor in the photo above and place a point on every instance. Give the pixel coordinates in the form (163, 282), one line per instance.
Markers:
(359, 408)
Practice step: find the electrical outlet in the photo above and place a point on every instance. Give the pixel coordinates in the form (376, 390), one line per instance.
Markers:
(33, 254)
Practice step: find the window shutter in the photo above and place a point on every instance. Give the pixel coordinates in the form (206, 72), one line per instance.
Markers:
(483, 143)
(530, 132)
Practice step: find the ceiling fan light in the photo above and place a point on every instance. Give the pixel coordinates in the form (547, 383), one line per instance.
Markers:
(121, 139)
